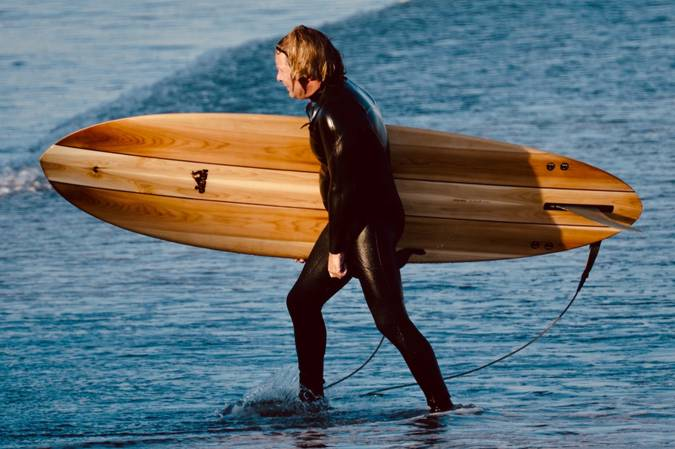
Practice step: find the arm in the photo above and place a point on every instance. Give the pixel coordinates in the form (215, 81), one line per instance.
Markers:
(341, 149)
(324, 185)
(342, 152)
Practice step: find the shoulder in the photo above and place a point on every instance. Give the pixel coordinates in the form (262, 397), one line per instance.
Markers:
(348, 106)
(352, 109)
(348, 96)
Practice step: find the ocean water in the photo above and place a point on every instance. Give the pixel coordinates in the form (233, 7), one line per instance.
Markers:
(112, 339)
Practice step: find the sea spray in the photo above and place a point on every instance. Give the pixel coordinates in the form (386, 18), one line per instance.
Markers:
(276, 395)
(24, 179)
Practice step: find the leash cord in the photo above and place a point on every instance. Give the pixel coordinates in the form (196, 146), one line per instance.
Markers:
(379, 345)
(592, 255)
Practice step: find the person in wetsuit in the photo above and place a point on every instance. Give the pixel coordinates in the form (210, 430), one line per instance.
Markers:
(365, 215)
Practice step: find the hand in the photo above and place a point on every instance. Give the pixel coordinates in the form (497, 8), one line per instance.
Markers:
(300, 260)
(336, 265)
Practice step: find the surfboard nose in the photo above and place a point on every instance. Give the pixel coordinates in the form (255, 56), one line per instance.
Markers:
(46, 160)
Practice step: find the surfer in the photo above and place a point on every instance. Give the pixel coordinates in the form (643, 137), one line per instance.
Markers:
(349, 138)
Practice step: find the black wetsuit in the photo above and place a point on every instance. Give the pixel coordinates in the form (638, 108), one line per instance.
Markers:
(349, 138)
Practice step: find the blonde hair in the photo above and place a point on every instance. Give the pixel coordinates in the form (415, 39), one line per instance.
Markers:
(311, 55)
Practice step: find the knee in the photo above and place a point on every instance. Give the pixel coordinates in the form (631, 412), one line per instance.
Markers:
(293, 302)
(297, 302)
(392, 327)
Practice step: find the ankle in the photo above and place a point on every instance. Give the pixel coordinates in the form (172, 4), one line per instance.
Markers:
(308, 395)
(440, 405)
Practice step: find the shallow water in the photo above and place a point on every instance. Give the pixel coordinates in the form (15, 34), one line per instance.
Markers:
(109, 338)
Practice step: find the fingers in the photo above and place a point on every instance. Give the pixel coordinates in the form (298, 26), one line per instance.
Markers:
(337, 268)
(300, 260)
(337, 274)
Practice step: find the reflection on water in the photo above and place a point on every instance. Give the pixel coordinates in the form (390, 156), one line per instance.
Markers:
(428, 431)
(310, 439)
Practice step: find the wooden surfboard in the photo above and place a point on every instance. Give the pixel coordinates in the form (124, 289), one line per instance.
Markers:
(249, 184)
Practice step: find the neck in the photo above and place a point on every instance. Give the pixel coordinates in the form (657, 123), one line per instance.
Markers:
(316, 95)
(313, 86)
(326, 86)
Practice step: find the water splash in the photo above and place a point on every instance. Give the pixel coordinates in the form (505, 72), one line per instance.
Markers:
(467, 409)
(277, 395)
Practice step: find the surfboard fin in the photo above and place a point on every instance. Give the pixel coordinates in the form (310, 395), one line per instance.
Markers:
(596, 214)
(404, 255)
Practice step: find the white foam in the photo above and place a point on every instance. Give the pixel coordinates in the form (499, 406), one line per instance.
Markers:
(26, 179)
(468, 409)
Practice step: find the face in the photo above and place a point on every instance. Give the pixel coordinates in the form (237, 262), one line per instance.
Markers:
(293, 87)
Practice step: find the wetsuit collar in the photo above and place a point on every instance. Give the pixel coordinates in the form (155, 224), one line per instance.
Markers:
(326, 87)
(318, 98)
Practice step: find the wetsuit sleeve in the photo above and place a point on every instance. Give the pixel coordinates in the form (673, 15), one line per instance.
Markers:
(341, 146)
(324, 185)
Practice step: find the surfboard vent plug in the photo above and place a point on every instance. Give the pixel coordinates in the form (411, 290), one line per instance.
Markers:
(200, 178)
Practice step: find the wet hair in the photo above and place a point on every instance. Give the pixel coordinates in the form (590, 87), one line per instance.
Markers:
(311, 55)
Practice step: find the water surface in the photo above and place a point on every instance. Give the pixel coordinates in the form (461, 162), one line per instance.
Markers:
(109, 338)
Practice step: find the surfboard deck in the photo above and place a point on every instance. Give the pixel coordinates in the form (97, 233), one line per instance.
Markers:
(465, 198)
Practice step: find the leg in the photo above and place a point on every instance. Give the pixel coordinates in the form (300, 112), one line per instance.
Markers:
(377, 266)
(311, 291)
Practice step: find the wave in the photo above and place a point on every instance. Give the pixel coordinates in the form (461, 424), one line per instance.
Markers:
(234, 79)
(221, 80)
(238, 79)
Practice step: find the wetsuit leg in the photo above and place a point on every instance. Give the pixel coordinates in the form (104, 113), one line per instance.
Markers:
(375, 263)
(311, 291)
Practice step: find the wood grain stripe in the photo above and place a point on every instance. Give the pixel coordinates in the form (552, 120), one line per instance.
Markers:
(289, 232)
(300, 189)
(279, 142)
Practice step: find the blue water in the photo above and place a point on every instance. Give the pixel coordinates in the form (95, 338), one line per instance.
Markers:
(108, 338)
